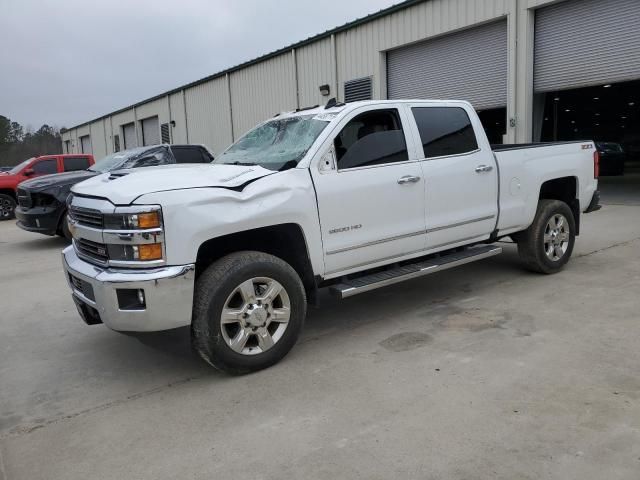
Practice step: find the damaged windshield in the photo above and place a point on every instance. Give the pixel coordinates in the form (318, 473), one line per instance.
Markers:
(278, 144)
(133, 158)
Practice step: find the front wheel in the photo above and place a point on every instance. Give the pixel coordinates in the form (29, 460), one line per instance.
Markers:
(546, 246)
(7, 207)
(249, 309)
(63, 229)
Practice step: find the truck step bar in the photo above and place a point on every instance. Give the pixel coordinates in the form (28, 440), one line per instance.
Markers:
(349, 288)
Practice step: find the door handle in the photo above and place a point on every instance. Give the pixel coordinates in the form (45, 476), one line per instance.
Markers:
(483, 168)
(408, 179)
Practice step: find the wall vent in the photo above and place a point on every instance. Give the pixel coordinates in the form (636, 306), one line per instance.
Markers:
(164, 133)
(358, 89)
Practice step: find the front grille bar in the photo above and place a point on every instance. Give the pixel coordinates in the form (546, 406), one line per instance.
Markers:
(87, 217)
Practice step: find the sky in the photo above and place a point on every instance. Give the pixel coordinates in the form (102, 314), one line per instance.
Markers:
(63, 62)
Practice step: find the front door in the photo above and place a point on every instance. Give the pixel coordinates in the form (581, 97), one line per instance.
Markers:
(372, 203)
(461, 178)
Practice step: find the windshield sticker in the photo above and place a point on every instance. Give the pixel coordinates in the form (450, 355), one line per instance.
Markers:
(326, 117)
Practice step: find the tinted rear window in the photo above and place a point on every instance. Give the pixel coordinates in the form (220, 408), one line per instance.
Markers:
(444, 131)
(190, 155)
(71, 164)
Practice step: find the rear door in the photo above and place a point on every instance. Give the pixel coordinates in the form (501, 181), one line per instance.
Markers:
(461, 181)
(371, 201)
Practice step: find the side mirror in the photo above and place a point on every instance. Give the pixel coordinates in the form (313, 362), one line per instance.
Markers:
(328, 161)
(29, 172)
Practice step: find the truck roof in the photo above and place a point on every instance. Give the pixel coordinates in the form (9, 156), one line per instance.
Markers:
(347, 107)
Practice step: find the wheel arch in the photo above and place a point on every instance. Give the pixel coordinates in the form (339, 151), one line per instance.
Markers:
(9, 191)
(566, 190)
(285, 241)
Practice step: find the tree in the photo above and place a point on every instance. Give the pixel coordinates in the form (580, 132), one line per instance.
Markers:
(5, 130)
(16, 144)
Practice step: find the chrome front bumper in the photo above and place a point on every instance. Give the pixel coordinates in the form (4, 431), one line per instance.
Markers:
(168, 294)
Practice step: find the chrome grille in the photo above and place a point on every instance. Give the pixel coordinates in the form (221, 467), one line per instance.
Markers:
(85, 288)
(95, 251)
(24, 198)
(87, 217)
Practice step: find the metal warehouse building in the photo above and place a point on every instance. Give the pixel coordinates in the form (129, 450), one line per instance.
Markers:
(534, 69)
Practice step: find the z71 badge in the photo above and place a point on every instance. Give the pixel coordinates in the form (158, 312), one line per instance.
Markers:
(345, 229)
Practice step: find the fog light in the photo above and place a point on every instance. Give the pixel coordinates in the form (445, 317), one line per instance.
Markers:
(131, 299)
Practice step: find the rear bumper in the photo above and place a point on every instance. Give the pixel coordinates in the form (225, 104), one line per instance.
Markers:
(38, 219)
(594, 205)
(168, 294)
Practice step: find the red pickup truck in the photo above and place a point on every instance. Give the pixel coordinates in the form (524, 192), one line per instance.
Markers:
(35, 167)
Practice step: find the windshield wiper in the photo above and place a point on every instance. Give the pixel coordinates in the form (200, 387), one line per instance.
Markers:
(244, 164)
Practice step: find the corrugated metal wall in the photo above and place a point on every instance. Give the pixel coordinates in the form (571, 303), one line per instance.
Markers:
(315, 68)
(259, 91)
(208, 115)
(179, 131)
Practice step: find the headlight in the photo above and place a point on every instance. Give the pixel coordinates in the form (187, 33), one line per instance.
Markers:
(133, 221)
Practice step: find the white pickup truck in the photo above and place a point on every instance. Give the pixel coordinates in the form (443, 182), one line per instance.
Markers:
(350, 197)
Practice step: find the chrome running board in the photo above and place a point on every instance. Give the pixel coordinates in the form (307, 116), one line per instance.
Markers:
(349, 288)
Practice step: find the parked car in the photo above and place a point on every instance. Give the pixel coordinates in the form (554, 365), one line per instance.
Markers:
(36, 167)
(612, 158)
(350, 197)
(42, 201)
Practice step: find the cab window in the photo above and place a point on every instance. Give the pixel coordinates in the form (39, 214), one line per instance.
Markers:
(445, 131)
(72, 164)
(46, 166)
(371, 138)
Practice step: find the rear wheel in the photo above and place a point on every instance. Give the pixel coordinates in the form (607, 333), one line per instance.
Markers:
(546, 246)
(249, 309)
(7, 207)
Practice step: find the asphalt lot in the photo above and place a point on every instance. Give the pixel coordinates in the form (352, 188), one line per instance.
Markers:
(485, 371)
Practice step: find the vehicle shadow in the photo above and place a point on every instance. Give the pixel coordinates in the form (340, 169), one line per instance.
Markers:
(45, 243)
(332, 317)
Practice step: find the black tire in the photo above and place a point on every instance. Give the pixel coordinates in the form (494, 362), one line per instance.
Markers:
(63, 228)
(7, 207)
(531, 243)
(213, 288)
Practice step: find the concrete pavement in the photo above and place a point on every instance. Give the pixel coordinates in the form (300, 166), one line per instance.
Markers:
(485, 371)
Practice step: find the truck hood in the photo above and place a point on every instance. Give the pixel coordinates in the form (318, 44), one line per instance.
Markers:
(55, 180)
(123, 186)
(8, 180)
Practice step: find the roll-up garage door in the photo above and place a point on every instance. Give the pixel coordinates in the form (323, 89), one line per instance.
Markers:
(85, 144)
(129, 133)
(470, 65)
(150, 131)
(580, 43)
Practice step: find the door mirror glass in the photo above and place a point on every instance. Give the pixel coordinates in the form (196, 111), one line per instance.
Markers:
(29, 172)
